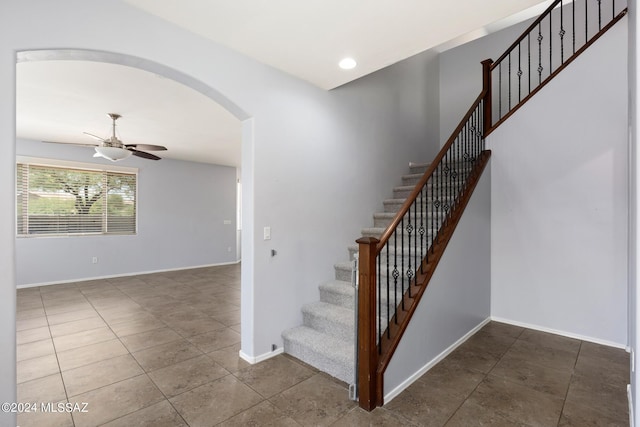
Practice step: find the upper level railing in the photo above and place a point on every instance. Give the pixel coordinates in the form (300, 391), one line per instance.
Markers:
(395, 270)
(551, 42)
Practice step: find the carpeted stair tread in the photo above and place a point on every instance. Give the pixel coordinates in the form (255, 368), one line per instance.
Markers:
(330, 318)
(321, 350)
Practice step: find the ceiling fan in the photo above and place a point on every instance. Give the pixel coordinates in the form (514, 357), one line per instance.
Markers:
(114, 149)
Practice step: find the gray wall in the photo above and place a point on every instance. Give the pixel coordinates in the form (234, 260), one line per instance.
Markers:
(182, 207)
(457, 299)
(309, 155)
(560, 201)
(461, 74)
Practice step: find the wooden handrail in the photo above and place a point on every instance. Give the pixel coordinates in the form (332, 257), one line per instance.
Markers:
(425, 177)
(527, 31)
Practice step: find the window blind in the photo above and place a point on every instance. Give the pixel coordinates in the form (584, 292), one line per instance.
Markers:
(67, 201)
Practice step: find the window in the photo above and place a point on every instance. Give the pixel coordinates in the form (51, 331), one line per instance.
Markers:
(55, 200)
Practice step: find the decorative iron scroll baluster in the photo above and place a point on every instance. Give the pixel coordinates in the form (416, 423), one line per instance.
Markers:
(529, 60)
(402, 270)
(540, 53)
(519, 75)
(550, 45)
(562, 33)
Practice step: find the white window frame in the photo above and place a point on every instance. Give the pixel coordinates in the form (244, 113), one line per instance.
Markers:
(92, 167)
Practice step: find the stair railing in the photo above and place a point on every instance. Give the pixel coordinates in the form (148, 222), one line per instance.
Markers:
(395, 270)
(550, 43)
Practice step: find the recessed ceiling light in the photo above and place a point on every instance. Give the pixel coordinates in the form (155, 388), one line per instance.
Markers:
(347, 64)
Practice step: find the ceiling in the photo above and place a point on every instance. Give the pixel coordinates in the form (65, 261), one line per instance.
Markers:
(59, 100)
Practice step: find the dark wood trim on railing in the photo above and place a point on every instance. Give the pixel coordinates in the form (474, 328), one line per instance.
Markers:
(556, 71)
(432, 168)
(486, 90)
(367, 345)
(422, 279)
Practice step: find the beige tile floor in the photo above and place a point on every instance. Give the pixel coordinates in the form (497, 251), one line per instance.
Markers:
(162, 350)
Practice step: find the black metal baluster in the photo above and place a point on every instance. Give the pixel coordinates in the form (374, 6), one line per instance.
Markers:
(613, 9)
(519, 74)
(562, 32)
(402, 271)
(509, 93)
(599, 14)
(586, 21)
(379, 313)
(528, 61)
(395, 278)
(432, 208)
(573, 24)
(550, 45)
(423, 253)
(540, 52)
(500, 90)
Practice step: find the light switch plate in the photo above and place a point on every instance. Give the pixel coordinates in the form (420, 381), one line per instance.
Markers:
(267, 233)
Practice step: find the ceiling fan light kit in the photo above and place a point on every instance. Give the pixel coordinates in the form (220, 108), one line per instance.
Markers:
(112, 153)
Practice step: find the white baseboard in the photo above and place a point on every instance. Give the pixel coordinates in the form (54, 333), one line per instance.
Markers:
(420, 372)
(260, 358)
(562, 333)
(630, 401)
(83, 279)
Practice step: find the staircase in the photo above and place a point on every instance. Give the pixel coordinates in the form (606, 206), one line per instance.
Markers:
(399, 254)
(326, 338)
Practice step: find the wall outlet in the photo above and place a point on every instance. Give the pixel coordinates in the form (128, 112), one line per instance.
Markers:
(94, 260)
(227, 222)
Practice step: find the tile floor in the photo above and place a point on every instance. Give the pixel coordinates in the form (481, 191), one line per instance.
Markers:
(162, 350)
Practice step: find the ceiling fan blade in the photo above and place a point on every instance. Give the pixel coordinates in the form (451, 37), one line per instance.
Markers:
(148, 147)
(143, 154)
(72, 143)
(94, 136)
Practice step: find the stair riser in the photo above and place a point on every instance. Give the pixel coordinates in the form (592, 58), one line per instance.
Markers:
(323, 324)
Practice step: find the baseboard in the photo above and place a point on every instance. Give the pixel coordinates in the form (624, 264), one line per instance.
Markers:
(83, 279)
(562, 333)
(260, 358)
(420, 372)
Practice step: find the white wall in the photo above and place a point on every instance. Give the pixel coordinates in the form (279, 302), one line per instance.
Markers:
(634, 163)
(457, 299)
(182, 207)
(312, 159)
(559, 201)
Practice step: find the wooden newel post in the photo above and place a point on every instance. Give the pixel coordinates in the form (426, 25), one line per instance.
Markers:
(367, 345)
(486, 89)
